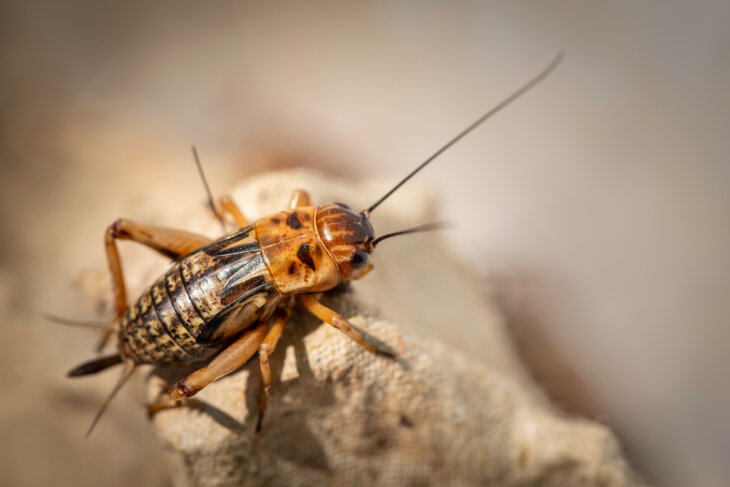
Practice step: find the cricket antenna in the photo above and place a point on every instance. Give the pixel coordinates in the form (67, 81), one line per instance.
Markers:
(524, 89)
(423, 228)
(211, 203)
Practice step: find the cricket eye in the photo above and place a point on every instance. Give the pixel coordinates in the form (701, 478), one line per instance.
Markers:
(359, 259)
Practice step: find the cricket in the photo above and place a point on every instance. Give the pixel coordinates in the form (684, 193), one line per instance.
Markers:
(223, 301)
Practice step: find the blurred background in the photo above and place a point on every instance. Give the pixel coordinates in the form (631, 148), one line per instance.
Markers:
(595, 209)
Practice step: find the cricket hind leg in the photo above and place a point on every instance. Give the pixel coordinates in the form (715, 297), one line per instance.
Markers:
(169, 242)
(311, 302)
(232, 357)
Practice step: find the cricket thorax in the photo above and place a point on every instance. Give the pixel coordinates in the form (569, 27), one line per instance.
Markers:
(293, 253)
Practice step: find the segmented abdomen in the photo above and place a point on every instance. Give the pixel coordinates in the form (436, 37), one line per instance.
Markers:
(171, 320)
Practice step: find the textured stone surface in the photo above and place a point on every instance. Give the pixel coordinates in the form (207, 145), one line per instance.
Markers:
(456, 408)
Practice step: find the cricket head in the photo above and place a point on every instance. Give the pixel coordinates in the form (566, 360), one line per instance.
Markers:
(348, 237)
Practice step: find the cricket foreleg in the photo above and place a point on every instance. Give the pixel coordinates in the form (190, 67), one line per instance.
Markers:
(311, 302)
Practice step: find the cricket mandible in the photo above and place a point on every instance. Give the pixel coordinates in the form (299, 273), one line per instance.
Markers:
(224, 300)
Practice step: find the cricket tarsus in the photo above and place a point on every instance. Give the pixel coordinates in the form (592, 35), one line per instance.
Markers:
(524, 89)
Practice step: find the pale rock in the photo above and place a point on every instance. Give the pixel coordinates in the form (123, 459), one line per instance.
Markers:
(456, 407)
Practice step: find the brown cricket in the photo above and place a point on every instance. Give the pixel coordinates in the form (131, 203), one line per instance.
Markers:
(221, 301)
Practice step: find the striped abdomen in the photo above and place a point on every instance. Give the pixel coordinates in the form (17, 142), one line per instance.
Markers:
(177, 318)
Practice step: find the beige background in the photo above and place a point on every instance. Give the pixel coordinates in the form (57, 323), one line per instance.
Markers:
(595, 208)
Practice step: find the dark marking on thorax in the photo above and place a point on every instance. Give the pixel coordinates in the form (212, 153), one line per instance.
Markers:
(293, 221)
(305, 256)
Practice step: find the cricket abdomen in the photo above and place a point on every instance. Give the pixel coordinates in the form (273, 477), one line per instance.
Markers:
(175, 318)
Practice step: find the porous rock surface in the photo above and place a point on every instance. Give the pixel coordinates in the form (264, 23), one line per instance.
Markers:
(455, 408)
